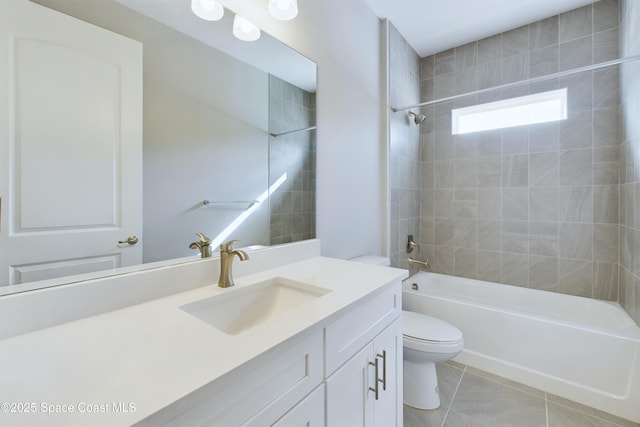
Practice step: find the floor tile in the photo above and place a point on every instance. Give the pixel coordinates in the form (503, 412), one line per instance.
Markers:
(562, 416)
(507, 382)
(455, 419)
(494, 404)
(612, 419)
(473, 398)
(448, 380)
(417, 418)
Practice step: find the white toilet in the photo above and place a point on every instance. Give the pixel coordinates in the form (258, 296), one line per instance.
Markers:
(426, 340)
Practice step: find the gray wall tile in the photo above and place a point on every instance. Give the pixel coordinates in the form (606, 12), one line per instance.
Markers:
(606, 88)
(606, 45)
(515, 42)
(605, 204)
(515, 269)
(543, 204)
(575, 277)
(543, 169)
(576, 53)
(605, 243)
(576, 241)
(543, 33)
(544, 61)
(540, 205)
(515, 236)
(465, 56)
(606, 15)
(543, 273)
(543, 239)
(489, 203)
(576, 131)
(576, 167)
(576, 23)
(489, 235)
(444, 62)
(515, 171)
(576, 204)
(465, 262)
(464, 235)
(490, 49)
(488, 266)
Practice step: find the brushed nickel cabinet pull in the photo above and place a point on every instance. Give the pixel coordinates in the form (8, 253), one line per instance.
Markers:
(375, 389)
(384, 368)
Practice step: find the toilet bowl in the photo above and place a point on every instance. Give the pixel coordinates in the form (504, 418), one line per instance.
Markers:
(426, 340)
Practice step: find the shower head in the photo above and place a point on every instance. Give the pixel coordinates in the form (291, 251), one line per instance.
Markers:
(417, 117)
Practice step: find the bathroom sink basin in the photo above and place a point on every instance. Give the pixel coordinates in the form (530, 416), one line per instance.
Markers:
(243, 308)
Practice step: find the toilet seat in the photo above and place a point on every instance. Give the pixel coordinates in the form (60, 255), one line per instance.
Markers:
(425, 333)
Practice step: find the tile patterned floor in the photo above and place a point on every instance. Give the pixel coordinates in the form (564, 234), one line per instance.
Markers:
(473, 398)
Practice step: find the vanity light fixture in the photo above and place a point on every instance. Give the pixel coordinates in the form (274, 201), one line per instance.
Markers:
(209, 10)
(245, 29)
(283, 10)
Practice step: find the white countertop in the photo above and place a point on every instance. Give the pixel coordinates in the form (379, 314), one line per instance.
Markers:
(151, 355)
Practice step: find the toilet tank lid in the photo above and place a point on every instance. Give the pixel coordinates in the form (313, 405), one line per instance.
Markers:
(373, 259)
(426, 328)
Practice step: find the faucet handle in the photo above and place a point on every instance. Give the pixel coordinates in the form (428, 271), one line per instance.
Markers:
(226, 247)
(204, 240)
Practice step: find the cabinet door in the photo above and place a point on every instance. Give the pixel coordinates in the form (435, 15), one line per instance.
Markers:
(349, 400)
(308, 413)
(387, 410)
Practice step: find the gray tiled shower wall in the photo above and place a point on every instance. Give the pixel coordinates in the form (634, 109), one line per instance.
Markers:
(630, 161)
(292, 205)
(404, 157)
(533, 206)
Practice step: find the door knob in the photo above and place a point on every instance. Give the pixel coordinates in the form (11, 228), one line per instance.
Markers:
(131, 240)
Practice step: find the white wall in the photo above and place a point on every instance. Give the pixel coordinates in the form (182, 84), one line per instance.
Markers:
(343, 38)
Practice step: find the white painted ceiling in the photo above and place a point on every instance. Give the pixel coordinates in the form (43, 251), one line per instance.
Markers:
(431, 26)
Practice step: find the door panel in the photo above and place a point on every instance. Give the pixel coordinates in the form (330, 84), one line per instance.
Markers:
(54, 190)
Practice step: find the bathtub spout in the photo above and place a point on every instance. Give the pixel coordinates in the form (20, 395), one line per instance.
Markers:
(423, 264)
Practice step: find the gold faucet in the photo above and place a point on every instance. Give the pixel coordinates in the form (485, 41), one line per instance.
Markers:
(204, 245)
(226, 262)
(423, 264)
(411, 245)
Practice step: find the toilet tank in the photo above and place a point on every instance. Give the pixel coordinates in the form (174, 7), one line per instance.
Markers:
(373, 259)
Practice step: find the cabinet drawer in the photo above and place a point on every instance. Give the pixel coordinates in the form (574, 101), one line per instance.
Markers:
(347, 335)
(308, 413)
(282, 379)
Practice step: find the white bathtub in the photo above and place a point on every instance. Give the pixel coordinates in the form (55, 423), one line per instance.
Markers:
(581, 349)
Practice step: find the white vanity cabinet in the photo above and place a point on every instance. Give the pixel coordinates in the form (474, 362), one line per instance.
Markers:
(263, 390)
(289, 386)
(367, 389)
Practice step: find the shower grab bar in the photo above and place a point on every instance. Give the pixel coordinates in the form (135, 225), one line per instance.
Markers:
(249, 203)
(524, 82)
(275, 135)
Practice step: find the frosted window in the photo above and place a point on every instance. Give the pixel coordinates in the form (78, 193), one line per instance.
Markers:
(524, 110)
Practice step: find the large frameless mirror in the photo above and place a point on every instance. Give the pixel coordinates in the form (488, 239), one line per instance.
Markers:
(226, 130)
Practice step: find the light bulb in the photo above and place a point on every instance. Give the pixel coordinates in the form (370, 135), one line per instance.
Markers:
(245, 30)
(209, 10)
(283, 9)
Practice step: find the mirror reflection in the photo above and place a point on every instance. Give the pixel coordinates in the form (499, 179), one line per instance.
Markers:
(225, 140)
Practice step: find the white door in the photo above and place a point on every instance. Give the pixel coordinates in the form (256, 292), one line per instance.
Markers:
(70, 145)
